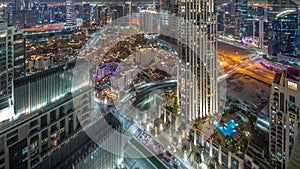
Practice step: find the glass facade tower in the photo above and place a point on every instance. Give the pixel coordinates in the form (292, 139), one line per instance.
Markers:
(70, 16)
(283, 28)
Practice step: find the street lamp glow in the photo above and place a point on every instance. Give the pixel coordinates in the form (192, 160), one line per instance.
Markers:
(119, 162)
(148, 128)
(161, 127)
(203, 166)
(185, 156)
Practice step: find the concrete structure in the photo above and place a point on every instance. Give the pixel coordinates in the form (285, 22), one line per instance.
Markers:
(86, 14)
(42, 125)
(109, 152)
(128, 11)
(218, 153)
(255, 156)
(12, 61)
(70, 16)
(284, 117)
(198, 58)
(3, 13)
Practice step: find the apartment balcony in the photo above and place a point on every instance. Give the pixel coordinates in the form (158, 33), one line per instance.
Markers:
(275, 95)
(279, 114)
(279, 141)
(279, 137)
(273, 142)
(292, 107)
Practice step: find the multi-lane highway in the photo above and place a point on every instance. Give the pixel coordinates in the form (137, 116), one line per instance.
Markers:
(236, 58)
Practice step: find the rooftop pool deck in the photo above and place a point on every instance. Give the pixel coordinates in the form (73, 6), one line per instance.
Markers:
(228, 129)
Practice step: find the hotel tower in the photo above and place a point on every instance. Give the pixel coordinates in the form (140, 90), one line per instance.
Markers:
(197, 75)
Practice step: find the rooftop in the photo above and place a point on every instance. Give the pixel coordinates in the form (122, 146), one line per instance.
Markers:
(290, 73)
(293, 73)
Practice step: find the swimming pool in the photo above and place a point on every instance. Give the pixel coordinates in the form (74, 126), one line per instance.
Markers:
(242, 118)
(228, 128)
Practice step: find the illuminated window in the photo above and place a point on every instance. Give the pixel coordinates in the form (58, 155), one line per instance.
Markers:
(292, 86)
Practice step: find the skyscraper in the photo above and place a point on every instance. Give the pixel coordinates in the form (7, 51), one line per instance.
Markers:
(70, 16)
(198, 54)
(20, 5)
(86, 14)
(284, 117)
(283, 28)
(165, 5)
(128, 11)
(12, 61)
(3, 13)
(45, 120)
(241, 9)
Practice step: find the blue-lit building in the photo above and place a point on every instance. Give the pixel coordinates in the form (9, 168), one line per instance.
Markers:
(220, 18)
(283, 28)
(239, 13)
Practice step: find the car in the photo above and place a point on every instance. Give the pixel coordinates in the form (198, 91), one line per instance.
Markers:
(168, 154)
(176, 161)
(167, 159)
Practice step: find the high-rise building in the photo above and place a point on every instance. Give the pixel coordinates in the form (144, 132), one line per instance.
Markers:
(3, 13)
(283, 27)
(200, 63)
(284, 117)
(10, 14)
(12, 61)
(220, 18)
(241, 9)
(19, 54)
(165, 5)
(147, 23)
(45, 132)
(128, 11)
(20, 5)
(86, 14)
(114, 15)
(237, 13)
(70, 16)
(24, 18)
(109, 152)
(6, 58)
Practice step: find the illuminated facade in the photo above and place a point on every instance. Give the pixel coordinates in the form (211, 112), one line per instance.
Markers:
(110, 150)
(70, 16)
(86, 14)
(45, 120)
(127, 11)
(241, 12)
(3, 13)
(283, 28)
(198, 54)
(284, 117)
(12, 61)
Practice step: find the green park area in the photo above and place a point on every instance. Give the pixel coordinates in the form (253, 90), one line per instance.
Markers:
(148, 154)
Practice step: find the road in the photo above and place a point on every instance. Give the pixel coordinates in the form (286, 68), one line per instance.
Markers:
(236, 59)
(132, 163)
(45, 27)
(142, 92)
